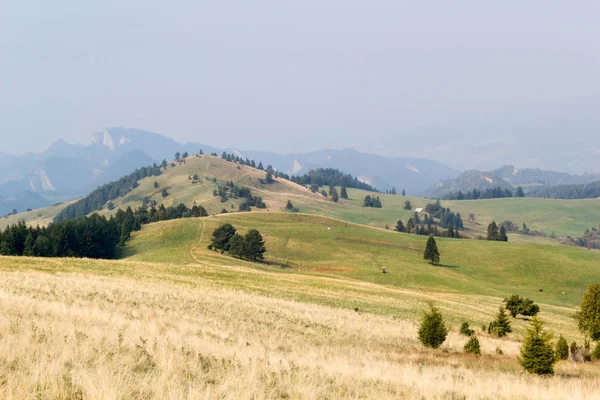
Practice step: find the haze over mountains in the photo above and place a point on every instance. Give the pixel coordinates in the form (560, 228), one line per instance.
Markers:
(68, 170)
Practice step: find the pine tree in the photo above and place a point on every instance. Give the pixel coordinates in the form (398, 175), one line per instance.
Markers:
(400, 226)
(520, 192)
(334, 195)
(393, 191)
(492, 231)
(562, 349)
(221, 237)
(537, 355)
(472, 346)
(407, 205)
(403, 192)
(503, 237)
(432, 331)
(254, 245)
(260, 166)
(500, 327)
(431, 251)
(237, 246)
(343, 193)
(289, 206)
(269, 177)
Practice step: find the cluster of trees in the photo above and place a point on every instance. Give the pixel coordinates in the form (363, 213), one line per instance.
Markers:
(331, 177)
(426, 227)
(372, 202)
(290, 207)
(105, 193)
(91, 237)
(582, 191)
(590, 239)
(251, 246)
(447, 218)
(537, 355)
(232, 191)
(490, 193)
(493, 233)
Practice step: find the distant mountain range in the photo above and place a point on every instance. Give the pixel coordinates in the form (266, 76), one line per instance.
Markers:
(65, 170)
(507, 177)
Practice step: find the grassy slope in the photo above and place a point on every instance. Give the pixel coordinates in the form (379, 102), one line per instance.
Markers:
(41, 217)
(306, 245)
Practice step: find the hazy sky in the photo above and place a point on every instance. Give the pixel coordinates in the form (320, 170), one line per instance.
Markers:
(391, 77)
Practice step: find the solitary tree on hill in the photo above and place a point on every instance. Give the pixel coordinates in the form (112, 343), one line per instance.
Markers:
(289, 206)
(432, 331)
(407, 205)
(537, 355)
(343, 193)
(393, 191)
(403, 192)
(177, 156)
(260, 166)
(431, 251)
(588, 316)
(500, 327)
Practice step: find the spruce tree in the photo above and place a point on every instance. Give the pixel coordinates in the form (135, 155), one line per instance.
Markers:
(334, 195)
(562, 349)
(343, 193)
(537, 355)
(492, 231)
(407, 205)
(400, 226)
(503, 237)
(289, 206)
(403, 192)
(432, 331)
(500, 327)
(431, 251)
(472, 346)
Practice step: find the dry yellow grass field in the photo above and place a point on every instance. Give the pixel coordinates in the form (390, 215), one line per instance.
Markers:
(83, 329)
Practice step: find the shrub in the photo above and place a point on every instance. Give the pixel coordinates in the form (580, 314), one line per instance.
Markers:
(465, 330)
(499, 351)
(472, 346)
(562, 349)
(432, 332)
(516, 305)
(537, 355)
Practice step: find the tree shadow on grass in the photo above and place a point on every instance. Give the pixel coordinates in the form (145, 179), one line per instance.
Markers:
(445, 266)
(125, 252)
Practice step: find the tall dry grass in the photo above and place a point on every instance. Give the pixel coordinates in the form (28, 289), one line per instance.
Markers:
(76, 336)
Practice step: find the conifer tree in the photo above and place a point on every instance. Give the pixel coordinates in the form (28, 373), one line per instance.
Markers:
(503, 237)
(221, 237)
(432, 331)
(472, 346)
(403, 192)
(400, 226)
(254, 245)
(260, 166)
(537, 355)
(237, 246)
(492, 231)
(343, 193)
(407, 205)
(334, 195)
(500, 327)
(562, 349)
(289, 206)
(431, 251)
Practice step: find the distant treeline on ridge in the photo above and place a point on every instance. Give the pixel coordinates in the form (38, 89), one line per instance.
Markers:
(331, 177)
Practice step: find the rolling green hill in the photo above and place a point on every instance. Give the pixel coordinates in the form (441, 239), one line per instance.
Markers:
(562, 217)
(324, 246)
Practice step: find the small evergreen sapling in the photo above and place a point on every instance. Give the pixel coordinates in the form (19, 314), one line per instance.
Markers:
(432, 331)
(562, 349)
(472, 346)
(431, 251)
(537, 355)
